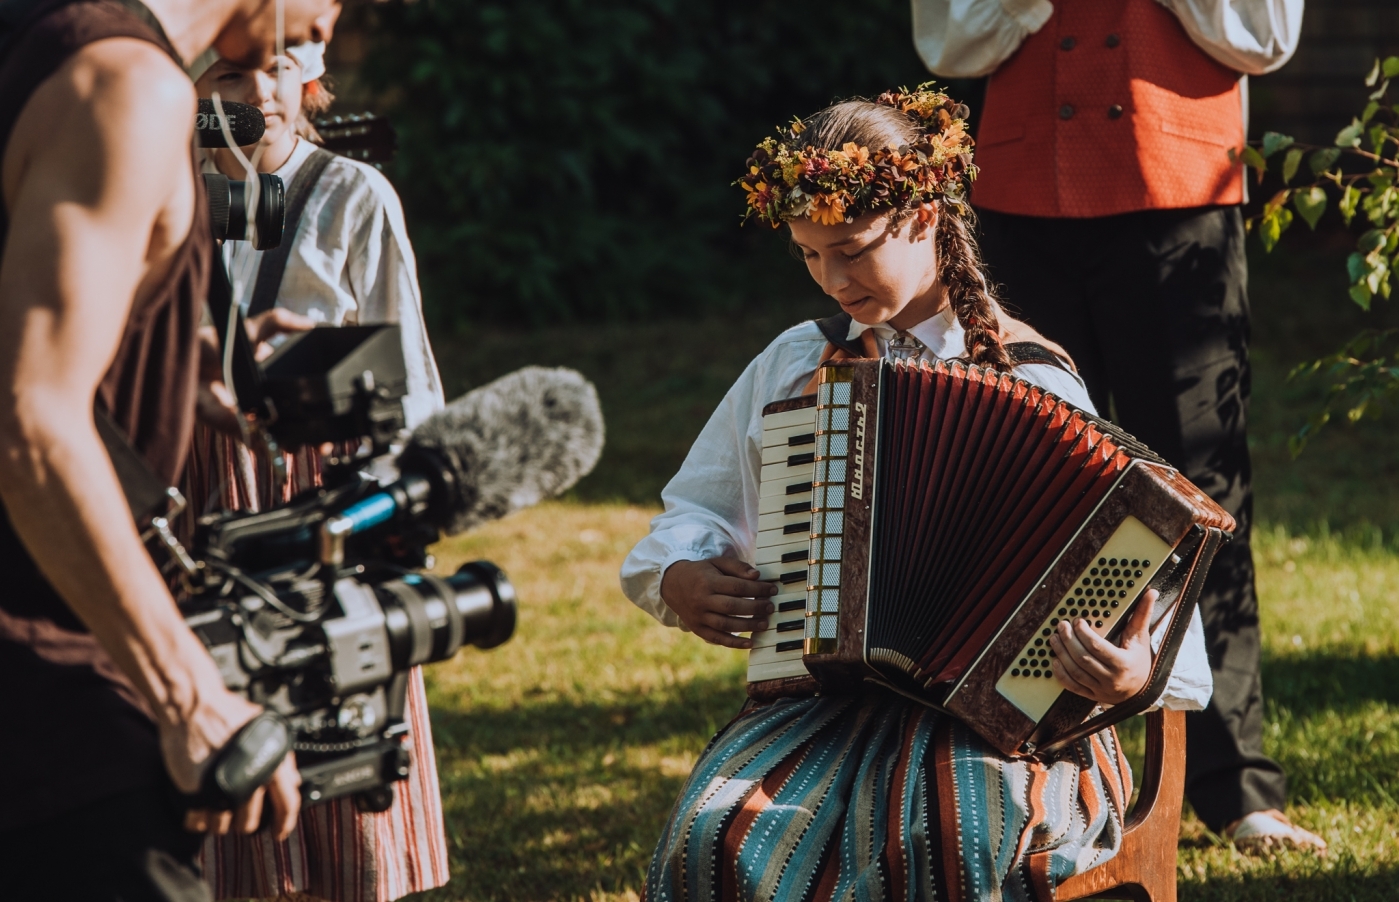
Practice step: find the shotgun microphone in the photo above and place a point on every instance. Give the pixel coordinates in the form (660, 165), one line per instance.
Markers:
(245, 122)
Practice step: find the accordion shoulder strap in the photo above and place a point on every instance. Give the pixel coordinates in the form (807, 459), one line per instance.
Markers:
(839, 346)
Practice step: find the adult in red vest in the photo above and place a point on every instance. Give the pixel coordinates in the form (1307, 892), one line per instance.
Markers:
(1110, 213)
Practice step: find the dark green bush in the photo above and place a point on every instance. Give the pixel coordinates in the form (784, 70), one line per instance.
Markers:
(573, 158)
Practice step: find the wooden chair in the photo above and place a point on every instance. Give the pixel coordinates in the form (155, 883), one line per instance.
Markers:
(1145, 869)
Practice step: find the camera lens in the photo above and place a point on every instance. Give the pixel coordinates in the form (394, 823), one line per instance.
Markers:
(429, 618)
(229, 213)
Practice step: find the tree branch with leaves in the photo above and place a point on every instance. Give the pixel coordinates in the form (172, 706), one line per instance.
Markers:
(1360, 171)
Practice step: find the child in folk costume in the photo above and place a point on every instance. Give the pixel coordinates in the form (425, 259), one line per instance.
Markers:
(869, 794)
(345, 259)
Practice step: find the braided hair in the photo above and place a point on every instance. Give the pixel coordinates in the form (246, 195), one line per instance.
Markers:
(959, 261)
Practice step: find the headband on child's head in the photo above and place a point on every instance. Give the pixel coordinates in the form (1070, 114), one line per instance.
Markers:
(787, 179)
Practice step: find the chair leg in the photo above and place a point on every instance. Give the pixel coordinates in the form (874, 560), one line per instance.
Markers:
(1144, 870)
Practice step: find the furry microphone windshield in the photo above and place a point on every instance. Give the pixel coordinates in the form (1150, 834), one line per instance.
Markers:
(525, 437)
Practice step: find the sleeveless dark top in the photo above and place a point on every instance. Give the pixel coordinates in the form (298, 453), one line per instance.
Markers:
(72, 730)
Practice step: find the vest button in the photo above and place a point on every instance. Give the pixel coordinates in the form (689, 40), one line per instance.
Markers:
(1066, 111)
(1113, 40)
(1068, 44)
(1115, 111)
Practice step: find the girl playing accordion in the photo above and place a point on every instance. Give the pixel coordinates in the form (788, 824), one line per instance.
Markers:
(869, 793)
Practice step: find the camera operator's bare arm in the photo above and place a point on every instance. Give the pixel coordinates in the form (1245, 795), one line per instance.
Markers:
(98, 184)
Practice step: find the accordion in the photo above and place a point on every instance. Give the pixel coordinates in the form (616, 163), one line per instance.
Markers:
(929, 525)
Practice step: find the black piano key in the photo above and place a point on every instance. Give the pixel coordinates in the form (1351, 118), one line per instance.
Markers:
(796, 460)
(808, 439)
(791, 556)
(793, 528)
(789, 646)
(795, 576)
(798, 487)
(790, 625)
(795, 605)
(797, 507)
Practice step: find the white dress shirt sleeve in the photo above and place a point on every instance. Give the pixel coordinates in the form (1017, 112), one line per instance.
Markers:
(1249, 36)
(382, 275)
(970, 38)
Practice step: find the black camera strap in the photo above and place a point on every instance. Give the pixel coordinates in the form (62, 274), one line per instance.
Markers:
(274, 260)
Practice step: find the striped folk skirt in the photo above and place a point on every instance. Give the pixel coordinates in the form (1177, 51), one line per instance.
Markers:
(872, 797)
(337, 852)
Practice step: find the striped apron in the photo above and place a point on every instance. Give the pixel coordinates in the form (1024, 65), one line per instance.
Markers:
(873, 797)
(337, 852)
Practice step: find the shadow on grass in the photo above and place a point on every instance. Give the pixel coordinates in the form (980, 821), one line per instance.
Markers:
(1353, 883)
(1309, 683)
(578, 724)
(562, 797)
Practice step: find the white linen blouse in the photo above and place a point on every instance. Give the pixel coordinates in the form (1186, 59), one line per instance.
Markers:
(971, 38)
(711, 505)
(350, 263)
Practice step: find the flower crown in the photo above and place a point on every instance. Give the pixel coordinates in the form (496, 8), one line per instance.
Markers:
(787, 180)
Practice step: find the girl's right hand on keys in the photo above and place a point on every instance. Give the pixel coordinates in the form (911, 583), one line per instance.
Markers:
(717, 598)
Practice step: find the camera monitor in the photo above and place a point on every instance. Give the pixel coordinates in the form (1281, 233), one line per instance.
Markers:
(337, 384)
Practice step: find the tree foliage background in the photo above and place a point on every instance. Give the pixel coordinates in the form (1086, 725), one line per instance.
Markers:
(573, 159)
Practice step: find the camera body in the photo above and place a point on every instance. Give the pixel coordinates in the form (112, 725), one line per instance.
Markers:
(320, 627)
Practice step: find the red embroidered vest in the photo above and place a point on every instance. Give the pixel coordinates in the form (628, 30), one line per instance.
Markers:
(1109, 108)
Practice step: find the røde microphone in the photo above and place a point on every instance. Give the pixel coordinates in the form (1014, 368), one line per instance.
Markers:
(525, 437)
(245, 122)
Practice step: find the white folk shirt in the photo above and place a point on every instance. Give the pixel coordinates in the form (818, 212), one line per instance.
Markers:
(711, 505)
(971, 38)
(350, 263)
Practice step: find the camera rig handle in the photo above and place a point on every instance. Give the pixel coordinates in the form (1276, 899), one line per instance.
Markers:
(244, 764)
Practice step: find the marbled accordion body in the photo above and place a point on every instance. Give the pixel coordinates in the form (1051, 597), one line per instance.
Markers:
(930, 524)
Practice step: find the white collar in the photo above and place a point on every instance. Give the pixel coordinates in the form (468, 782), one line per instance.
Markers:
(941, 333)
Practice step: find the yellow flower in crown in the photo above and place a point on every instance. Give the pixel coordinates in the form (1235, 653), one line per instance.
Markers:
(788, 178)
(828, 209)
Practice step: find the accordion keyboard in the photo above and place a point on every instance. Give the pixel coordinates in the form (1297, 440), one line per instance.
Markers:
(784, 540)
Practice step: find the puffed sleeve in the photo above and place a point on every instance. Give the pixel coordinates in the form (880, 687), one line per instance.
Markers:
(970, 38)
(1249, 36)
(383, 276)
(706, 504)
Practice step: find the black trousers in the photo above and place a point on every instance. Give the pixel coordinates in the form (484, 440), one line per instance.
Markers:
(1153, 308)
(130, 847)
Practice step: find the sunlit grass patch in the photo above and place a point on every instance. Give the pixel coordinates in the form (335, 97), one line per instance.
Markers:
(562, 751)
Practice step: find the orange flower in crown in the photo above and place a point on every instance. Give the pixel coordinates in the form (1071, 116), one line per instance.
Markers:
(788, 178)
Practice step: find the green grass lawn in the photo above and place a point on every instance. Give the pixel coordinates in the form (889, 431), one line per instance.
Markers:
(562, 751)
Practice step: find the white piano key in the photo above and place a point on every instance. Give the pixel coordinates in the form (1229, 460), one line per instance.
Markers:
(777, 671)
(798, 479)
(767, 654)
(790, 419)
(779, 476)
(768, 537)
(775, 571)
(782, 519)
(773, 553)
(776, 454)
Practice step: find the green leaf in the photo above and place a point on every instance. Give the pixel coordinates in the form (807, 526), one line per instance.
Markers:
(1255, 159)
(1350, 135)
(1310, 203)
(1274, 142)
(1276, 219)
(1324, 159)
(1360, 293)
(1371, 241)
(1378, 134)
(1356, 267)
(1374, 75)
(1390, 67)
(1371, 109)
(1290, 164)
(1380, 91)
(1349, 199)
